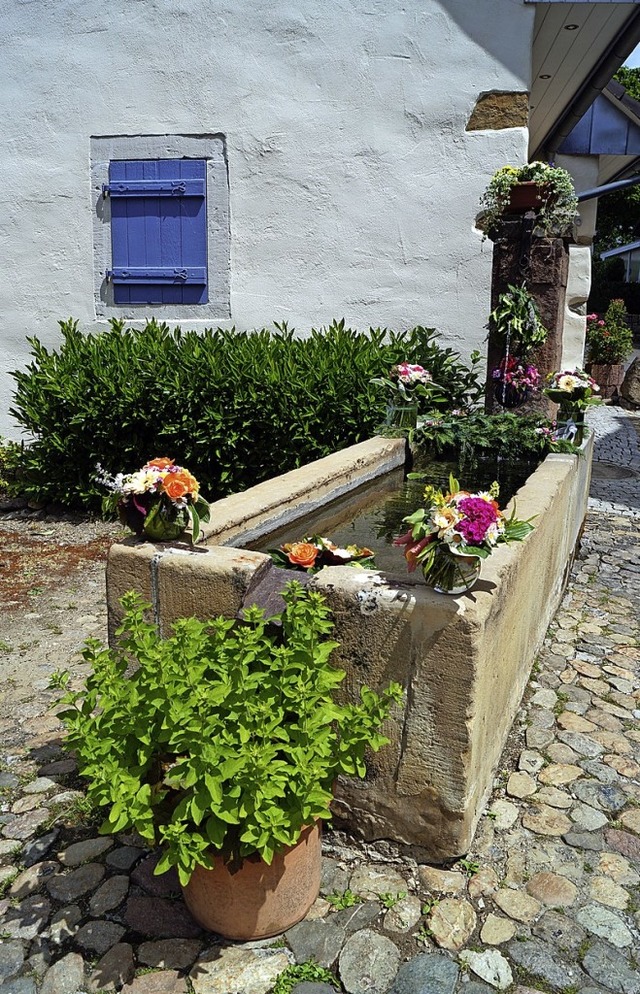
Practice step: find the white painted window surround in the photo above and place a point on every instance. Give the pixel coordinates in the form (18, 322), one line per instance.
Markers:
(212, 149)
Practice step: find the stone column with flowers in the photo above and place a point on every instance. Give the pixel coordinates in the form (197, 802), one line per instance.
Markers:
(528, 213)
(542, 264)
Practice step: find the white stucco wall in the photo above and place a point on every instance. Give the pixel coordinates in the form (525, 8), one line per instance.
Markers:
(353, 184)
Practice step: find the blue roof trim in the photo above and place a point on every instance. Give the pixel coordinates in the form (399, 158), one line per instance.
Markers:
(619, 251)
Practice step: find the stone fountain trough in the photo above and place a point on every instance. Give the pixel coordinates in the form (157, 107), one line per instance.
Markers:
(464, 662)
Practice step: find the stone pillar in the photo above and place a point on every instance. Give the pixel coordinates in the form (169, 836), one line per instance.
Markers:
(584, 169)
(543, 264)
(578, 287)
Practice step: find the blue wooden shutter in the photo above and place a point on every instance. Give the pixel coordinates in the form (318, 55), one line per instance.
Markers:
(158, 231)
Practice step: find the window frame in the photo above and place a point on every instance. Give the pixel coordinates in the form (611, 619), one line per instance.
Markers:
(211, 149)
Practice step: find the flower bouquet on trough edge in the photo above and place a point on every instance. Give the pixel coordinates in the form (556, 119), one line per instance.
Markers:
(453, 532)
(403, 386)
(158, 502)
(574, 390)
(312, 553)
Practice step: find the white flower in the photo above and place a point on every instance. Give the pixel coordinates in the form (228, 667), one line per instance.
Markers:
(569, 383)
(341, 553)
(484, 495)
(494, 532)
(141, 482)
(445, 519)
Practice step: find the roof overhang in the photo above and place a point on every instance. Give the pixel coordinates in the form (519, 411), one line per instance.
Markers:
(577, 47)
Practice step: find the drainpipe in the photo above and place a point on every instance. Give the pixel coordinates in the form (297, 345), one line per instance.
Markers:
(622, 47)
(600, 191)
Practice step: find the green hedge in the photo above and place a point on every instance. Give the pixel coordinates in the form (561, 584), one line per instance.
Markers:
(234, 408)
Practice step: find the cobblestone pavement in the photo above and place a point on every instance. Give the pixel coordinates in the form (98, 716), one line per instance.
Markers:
(547, 899)
(616, 469)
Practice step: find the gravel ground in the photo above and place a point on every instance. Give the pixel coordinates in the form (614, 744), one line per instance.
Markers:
(51, 594)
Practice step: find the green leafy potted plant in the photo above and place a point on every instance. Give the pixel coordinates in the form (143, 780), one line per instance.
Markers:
(538, 186)
(517, 323)
(609, 342)
(222, 747)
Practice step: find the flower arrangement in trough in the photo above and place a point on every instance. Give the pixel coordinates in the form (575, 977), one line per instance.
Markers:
(405, 384)
(573, 389)
(453, 531)
(157, 502)
(312, 553)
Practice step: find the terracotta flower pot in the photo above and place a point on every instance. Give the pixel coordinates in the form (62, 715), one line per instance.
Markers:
(527, 196)
(254, 900)
(608, 377)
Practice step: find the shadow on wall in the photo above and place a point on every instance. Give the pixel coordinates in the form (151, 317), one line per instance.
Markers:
(478, 21)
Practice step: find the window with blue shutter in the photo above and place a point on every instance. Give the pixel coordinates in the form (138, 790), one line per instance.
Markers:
(158, 231)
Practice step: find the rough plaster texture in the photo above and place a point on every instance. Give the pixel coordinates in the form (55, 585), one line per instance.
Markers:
(584, 170)
(464, 662)
(353, 185)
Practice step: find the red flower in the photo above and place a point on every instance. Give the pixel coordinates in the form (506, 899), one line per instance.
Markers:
(412, 548)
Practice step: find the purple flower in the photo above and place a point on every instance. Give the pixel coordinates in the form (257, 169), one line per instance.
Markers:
(479, 514)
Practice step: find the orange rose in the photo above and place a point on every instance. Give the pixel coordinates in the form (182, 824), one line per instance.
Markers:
(301, 553)
(174, 487)
(161, 463)
(189, 481)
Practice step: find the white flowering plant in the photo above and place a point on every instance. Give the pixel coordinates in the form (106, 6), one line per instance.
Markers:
(558, 203)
